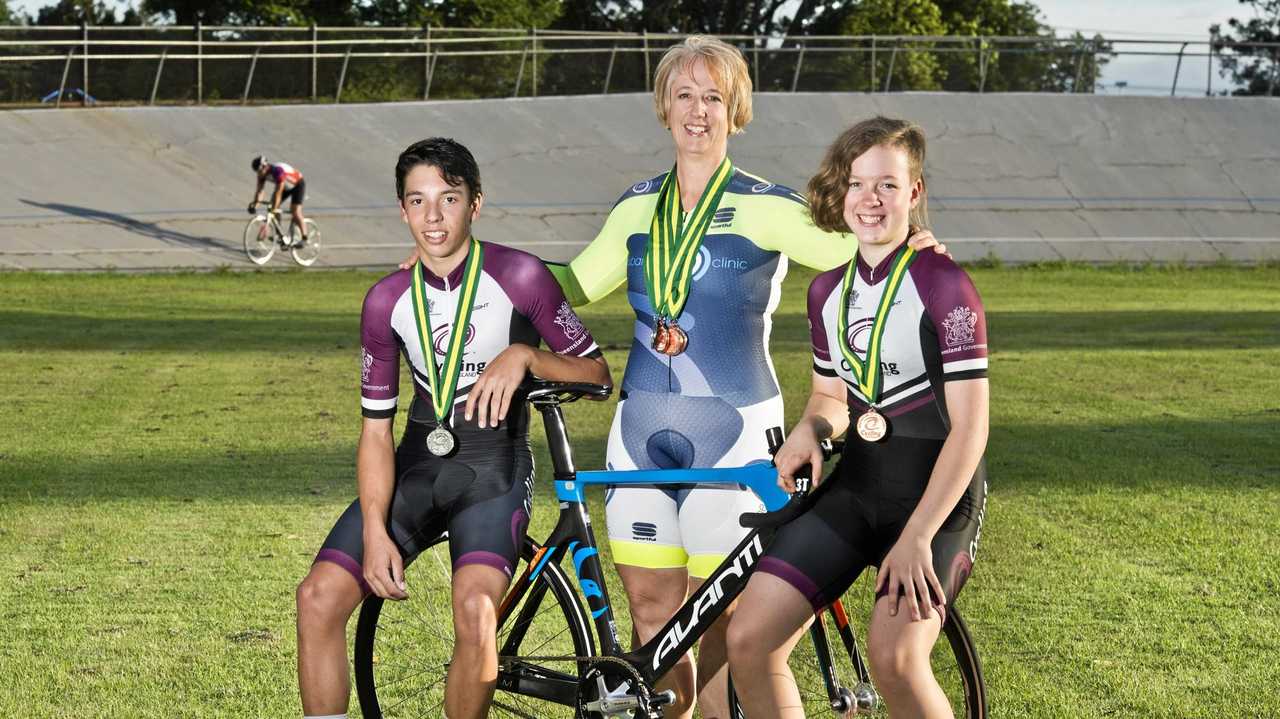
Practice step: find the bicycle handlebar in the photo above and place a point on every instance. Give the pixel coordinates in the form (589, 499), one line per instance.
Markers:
(800, 499)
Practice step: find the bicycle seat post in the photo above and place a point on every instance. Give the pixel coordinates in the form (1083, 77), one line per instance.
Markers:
(558, 442)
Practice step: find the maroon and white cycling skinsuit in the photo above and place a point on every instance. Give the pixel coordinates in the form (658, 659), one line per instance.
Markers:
(935, 333)
(481, 494)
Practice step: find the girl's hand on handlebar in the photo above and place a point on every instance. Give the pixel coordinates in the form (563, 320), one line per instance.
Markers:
(800, 450)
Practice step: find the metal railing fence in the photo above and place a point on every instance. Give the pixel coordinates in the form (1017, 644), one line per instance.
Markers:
(224, 64)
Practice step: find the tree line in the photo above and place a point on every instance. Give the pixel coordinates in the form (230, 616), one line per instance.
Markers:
(1072, 68)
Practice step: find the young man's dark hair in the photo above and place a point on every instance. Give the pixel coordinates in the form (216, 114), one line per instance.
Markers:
(452, 158)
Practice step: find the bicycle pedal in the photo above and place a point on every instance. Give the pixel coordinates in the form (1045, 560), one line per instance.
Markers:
(662, 699)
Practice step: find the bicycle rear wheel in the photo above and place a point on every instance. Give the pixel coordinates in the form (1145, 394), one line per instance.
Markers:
(305, 251)
(402, 649)
(259, 240)
(954, 660)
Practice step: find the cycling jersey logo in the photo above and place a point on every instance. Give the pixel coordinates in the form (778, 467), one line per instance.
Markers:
(441, 340)
(701, 263)
(762, 187)
(644, 531)
(858, 335)
(723, 217)
(704, 261)
(853, 299)
(568, 321)
(960, 324)
(641, 187)
(366, 365)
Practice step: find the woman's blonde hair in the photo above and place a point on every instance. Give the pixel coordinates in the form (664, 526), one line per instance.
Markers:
(827, 188)
(726, 66)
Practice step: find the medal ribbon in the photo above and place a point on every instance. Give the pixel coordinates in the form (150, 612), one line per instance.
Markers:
(867, 374)
(674, 242)
(443, 381)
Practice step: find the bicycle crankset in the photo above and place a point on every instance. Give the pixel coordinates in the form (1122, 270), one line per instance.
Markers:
(612, 689)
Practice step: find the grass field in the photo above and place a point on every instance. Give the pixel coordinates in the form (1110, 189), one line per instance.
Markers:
(174, 448)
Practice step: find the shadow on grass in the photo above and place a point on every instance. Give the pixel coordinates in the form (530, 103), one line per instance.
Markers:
(1236, 454)
(279, 329)
(269, 330)
(138, 227)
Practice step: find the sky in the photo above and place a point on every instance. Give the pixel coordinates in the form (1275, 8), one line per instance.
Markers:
(1183, 20)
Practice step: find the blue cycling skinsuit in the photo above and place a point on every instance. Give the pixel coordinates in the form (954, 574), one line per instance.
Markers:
(711, 405)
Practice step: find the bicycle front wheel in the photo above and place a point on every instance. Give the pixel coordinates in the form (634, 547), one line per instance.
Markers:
(305, 250)
(831, 672)
(259, 241)
(402, 649)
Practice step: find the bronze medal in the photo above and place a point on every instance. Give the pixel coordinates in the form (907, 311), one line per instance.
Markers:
(677, 341)
(440, 442)
(661, 337)
(872, 426)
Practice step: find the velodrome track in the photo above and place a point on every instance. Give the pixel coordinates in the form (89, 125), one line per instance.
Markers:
(1018, 177)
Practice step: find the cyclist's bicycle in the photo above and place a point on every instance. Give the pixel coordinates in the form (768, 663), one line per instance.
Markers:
(265, 234)
(551, 663)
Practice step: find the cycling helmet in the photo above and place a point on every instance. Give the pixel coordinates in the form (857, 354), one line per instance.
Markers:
(258, 162)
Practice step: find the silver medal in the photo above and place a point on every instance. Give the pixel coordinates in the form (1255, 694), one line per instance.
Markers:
(440, 442)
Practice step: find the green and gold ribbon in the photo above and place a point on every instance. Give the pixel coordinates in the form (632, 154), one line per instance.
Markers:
(674, 240)
(443, 381)
(867, 373)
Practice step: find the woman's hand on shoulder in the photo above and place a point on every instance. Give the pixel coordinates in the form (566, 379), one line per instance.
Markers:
(920, 239)
(408, 262)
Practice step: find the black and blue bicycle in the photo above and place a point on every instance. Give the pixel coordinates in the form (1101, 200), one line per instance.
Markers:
(560, 656)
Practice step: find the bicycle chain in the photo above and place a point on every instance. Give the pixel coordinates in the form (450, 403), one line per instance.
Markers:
(625, 665)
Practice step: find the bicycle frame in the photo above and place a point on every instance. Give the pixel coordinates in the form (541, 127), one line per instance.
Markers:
(574, 538)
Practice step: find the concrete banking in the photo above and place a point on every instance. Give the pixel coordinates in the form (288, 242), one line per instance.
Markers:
(1018, 177)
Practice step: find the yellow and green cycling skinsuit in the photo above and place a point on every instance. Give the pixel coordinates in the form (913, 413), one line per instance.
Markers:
(709, 406)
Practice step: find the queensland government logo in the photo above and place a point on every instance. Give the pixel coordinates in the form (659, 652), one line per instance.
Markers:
(366, 364)
(568, 321)
(960, 324)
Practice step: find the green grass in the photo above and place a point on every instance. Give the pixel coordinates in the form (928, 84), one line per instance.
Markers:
(173, 449)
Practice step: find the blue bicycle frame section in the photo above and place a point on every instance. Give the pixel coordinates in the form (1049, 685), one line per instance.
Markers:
(759, 478)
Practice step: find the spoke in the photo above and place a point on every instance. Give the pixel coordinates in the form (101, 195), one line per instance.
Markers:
(384, 685)
(517, 712)
(411, 696)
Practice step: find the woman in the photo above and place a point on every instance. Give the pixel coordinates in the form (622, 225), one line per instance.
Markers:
(900, 351)
(703, 249)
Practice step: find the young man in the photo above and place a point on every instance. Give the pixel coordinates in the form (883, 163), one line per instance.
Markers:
(481, 309)
(289, 185)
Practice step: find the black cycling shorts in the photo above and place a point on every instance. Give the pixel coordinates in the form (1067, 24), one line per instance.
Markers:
(297, 195)
(482, 495)
(860, 511)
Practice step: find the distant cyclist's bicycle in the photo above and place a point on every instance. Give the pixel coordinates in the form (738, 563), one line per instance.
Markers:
(264, 235)
(548, 663)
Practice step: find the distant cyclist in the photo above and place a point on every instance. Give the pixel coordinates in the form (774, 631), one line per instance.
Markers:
(289, 185)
